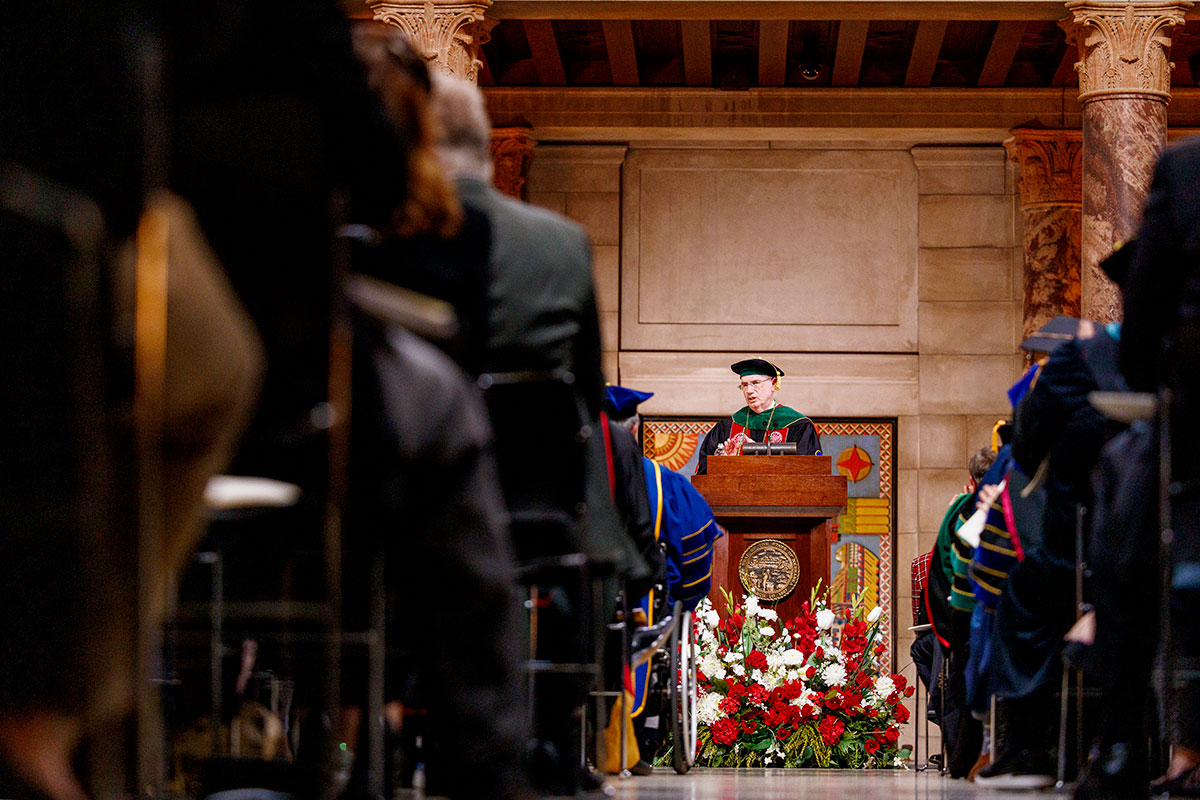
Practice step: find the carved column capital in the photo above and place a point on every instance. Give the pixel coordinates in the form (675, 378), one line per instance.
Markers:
(447, 34)
(1051, 163)
(512, 150)
(1125, 47)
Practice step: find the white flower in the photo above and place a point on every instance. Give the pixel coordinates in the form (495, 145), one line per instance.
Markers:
(768, 613)
(708, 710)
(792, 657)
(739, 670)
(875, 614)
(712, 618)
(732, 655)
(825, 619)
(834, 675)
(710, 664)
(884, 686)
(752, 608)
(767, 631)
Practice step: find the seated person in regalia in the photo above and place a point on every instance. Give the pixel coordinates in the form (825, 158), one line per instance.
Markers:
(761, 419)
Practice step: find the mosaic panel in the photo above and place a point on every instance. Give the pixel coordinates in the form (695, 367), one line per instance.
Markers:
(862, 553)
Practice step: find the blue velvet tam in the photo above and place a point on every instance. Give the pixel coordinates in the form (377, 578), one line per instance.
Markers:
(620, 402)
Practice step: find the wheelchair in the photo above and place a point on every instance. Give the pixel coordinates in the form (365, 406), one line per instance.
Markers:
(666, 678)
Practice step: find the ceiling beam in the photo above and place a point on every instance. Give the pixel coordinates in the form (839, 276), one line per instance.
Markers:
(546, 58)
(927, 45)
(772, 52)
(1066, 75)
(485, 71)
(1001, 53)
(851, 42)
(622, 58)
(697, 52)
(1047, 10)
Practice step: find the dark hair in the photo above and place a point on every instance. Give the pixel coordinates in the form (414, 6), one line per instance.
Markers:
(979, 463)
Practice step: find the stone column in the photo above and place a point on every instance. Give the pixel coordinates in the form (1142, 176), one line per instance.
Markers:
(1051, 202)
(447, 34)
(1124, 85)
(512, 150)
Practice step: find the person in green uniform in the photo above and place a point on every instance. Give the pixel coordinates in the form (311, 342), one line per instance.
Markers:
(762, 419)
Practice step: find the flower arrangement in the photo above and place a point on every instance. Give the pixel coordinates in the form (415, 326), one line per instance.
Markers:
(795, 693)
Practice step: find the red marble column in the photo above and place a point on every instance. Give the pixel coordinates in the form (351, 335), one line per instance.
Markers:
(1124, 84)
(1051, 201)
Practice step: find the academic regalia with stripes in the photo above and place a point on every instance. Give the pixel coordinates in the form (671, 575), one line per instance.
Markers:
(684, 522)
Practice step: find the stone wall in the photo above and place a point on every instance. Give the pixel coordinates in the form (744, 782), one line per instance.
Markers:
(937, 350)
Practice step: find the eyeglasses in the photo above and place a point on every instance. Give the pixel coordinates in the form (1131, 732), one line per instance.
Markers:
(746, 386)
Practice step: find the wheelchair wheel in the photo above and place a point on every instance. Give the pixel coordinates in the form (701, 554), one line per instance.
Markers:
(681, 683)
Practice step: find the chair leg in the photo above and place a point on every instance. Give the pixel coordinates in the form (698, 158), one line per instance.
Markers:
(1061, 773)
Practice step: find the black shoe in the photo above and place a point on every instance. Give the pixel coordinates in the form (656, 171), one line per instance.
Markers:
(641, 768)
(1022, 769)
(1113, 772)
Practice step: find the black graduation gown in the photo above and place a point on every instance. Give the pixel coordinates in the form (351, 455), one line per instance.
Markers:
(801, 432)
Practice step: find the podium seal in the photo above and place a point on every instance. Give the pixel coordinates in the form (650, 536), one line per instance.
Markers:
(769, 569)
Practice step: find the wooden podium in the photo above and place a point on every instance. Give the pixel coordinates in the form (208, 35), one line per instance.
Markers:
(790, 500)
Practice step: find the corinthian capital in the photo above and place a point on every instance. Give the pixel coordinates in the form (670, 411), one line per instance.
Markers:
(1051, 163)
(447, 34)
(512, 150)
(1126, 47)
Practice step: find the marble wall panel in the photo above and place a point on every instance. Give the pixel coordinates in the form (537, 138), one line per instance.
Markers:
(749, 249)
(908, 442)
(943, 439)
(966, 273)
(979, 431)
(818, 384)
(599, 213)
(907, 500)
(554, 201)
(606, 267)
(960, 170)
(938, 487)
(610, 331)
(966, 220)
(968, 328)
(575, 168)
(953, 384)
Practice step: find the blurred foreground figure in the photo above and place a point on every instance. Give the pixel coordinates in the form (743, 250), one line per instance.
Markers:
(544, 386)
(73, 183)
(1159, 349)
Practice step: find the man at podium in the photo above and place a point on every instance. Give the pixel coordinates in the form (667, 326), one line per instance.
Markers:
(762, 419)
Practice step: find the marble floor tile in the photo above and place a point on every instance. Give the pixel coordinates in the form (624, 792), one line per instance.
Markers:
(789, 784)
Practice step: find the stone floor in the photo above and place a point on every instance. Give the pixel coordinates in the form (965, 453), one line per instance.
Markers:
(778, 784)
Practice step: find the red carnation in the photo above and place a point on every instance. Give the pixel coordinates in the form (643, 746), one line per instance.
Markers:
(725, 731)
(901, 714)
(909, 692)
(729, 705)
(891, 735)
(756, 660)
(862, 680)
(871, 746)
(831, 729)
(758, 694)
(808, 673)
